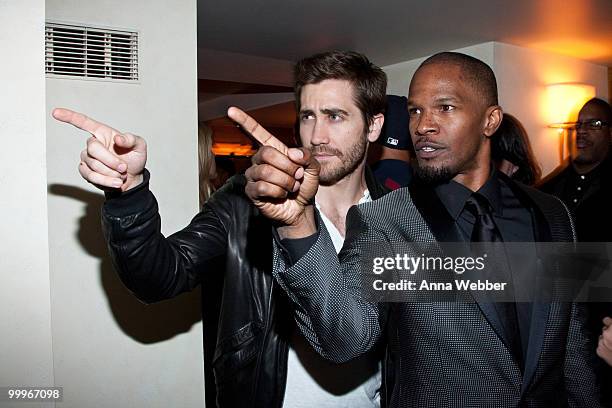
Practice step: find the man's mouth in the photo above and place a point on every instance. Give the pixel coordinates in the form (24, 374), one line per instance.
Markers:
(324, 156)
(583, 143)
(428, 150)
(325, 153)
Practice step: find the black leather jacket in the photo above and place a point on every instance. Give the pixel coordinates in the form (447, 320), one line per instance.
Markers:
(248, 329)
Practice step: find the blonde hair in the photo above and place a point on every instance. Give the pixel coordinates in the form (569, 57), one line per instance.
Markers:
(206, 161)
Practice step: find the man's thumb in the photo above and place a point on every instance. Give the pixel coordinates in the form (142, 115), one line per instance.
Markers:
(125, 140)
(121, 141)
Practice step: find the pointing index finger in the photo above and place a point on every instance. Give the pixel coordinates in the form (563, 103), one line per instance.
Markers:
(84, 122)
(258, 132)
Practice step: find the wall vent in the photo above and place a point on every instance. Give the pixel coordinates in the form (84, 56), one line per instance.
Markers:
(89, 52)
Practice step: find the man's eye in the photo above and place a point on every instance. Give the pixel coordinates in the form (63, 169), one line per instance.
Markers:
(447, 108)
(414, 111)
(335, 117)
(306, 116)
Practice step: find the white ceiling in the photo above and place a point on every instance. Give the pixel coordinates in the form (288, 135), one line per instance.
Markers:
(390, 31)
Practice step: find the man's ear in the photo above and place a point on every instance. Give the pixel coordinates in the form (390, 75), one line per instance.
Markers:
(493, 119)
(376, 127)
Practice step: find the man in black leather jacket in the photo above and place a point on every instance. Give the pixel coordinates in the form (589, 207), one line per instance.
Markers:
(258, 357)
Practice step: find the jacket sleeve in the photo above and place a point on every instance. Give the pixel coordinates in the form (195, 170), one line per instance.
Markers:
(152, 266)
(330, 309)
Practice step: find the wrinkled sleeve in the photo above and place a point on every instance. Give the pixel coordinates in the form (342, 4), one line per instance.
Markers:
(152, 266)
(325, 287)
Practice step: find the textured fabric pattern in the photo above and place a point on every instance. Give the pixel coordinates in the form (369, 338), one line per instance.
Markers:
(439, 354)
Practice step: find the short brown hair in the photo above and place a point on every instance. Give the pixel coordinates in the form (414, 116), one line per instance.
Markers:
(369, 81)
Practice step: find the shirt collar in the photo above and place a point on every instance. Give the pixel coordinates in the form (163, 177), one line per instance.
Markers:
(365, 198)
(492, 191)
(454, 195)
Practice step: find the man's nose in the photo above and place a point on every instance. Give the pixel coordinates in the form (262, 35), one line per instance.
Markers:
(320, 133)
(426, 124)
(582, 131)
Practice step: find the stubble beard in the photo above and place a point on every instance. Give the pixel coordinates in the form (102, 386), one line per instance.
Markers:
(433, 174)
(428, 174)
(349, 162)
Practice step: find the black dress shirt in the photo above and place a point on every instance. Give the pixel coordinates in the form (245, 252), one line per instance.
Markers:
(514, 222)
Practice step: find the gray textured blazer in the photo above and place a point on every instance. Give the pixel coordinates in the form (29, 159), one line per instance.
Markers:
(439, 354)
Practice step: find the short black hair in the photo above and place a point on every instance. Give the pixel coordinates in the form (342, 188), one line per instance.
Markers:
(476, 71)
(603, 105)
(369, 80)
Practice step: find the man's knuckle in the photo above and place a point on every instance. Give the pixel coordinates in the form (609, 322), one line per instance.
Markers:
(264, 153)
(256, 159)
(261, 188)
(270, 153)
(265, 172)
(289, 182)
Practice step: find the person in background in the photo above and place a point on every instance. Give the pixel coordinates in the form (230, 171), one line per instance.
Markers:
(604, 348)
(512, 153)
(585, 186)
(604, 351)
(206, 163)
(393, 168)
(226, 168)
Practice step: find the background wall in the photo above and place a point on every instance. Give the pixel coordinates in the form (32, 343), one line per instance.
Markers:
(109, 349)
(25, 318)
(522, 75)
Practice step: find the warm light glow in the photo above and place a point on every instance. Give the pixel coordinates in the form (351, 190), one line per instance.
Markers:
(597, 48)
(565, 100)
(236, 149)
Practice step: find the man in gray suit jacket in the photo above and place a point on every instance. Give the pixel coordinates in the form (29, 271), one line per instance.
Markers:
(458, 354)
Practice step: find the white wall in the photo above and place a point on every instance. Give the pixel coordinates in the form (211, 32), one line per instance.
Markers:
(522, 75)
(109, 349)
(25, 319)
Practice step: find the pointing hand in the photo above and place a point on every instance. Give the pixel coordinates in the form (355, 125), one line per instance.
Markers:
(111, 160)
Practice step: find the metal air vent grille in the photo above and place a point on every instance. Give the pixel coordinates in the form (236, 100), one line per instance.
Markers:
(89, 52)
